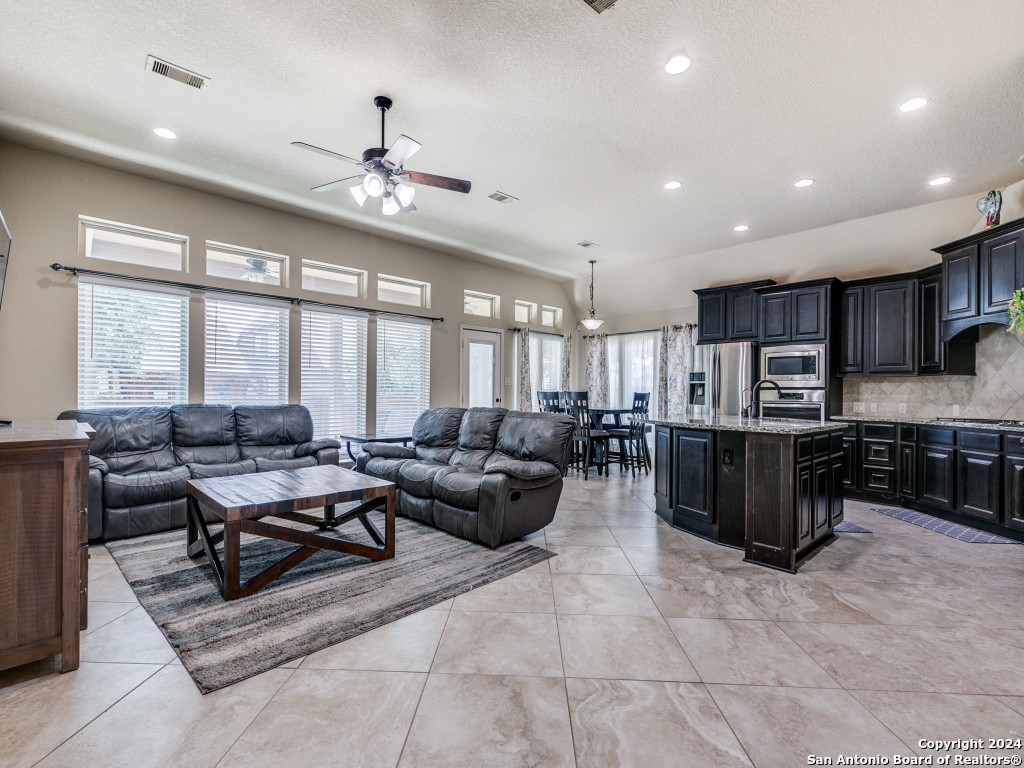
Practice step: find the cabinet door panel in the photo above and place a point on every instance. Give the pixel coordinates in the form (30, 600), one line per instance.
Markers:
(978, 484)
(692, 456)
(805, 503)
(960, 283)
(662, 466)
(741, 314)
(908, 470)
(851, 354)
(775, 317)
(999, 267)
(932, 352)
(810, 314)
(936, 476)
(838, 482)
(711, 317)
(891, 315)
(1013, 492)
(851, 465)
(822, 508)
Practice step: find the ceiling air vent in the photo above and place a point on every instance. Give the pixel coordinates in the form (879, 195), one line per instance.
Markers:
(174, 72)
(503, 197)
(600, 5)
(586, 244)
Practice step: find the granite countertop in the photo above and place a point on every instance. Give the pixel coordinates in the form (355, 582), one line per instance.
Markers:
(1010, 426)
(742, 424)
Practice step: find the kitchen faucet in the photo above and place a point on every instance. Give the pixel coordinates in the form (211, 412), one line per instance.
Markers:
(745, 412)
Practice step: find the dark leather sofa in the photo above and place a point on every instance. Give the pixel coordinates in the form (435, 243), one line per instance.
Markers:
(484, 474)
(142, 458)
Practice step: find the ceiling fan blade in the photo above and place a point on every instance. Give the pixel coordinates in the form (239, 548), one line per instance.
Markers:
(455, 185)
(334, 184)
(335, 155)
(400, 151)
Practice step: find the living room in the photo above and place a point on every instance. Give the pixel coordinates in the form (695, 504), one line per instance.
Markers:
(622, 631)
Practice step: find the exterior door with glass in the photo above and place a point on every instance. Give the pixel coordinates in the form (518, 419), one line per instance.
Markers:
(481, 369)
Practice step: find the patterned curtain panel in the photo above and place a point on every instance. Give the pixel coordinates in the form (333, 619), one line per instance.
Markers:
(674, 367)
(597, 370)
(566, 360)
(523, 364)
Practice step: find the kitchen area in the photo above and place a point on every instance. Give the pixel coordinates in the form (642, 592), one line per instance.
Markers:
(903, 389)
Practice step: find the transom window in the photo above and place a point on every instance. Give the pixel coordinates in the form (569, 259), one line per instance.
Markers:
(332, 278)
(112, 241)
(237, 263)
(481, 304)
(400, 290)
(526, 312)
(551, 317)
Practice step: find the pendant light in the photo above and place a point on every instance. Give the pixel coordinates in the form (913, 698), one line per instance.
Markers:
(591, 323)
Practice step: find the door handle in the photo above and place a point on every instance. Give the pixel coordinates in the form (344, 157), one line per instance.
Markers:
(497, 399)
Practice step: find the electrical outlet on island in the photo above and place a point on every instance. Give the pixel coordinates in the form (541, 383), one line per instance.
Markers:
(956, 410)
(874, 407)
(903, 407)
(858, 407)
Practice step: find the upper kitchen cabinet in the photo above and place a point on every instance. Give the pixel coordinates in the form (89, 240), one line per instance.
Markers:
(979, 275)
(728, 312)
(797, 313)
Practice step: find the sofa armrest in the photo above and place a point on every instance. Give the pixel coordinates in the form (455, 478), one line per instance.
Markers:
(523, 470)
(389, 450)
(313, 446)
(95, 501)
(95, 462)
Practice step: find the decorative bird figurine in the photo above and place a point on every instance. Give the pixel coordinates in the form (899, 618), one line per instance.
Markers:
(990, 205)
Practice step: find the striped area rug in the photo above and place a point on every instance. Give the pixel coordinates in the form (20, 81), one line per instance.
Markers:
(328, 598)
(945, 527)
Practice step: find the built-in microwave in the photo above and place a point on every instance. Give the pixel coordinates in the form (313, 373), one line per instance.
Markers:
(798, 365)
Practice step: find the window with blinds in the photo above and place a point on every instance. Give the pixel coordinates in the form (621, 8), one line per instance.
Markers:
(132, 346)
(403, 374)
(334, 371)
(545, 365)
(246, 352)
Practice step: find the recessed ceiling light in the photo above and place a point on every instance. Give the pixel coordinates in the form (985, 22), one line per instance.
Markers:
(677, 64)
(740, 228)
(912, 104)
(673, 184)
(803, 183)
(165, 133)
(940, 181)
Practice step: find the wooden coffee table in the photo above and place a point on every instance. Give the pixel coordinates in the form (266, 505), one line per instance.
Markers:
(239, 499)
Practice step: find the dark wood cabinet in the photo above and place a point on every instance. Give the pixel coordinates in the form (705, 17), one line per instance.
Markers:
(810, 314)
(804, 504)
(936, 475)
(662, 473)
(851, 342)
(960, 284)
(931, 356)
(728, 313)
(907, 470)
(1013, 492)
(711, 317)
(890, 328)
(838, 480)
(978, 484)
(1002, 271)
(693, 459)
(822, 498)
(776, 317)
(851, 465)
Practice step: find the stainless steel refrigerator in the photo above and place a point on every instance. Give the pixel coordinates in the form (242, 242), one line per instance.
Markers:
(719, 376)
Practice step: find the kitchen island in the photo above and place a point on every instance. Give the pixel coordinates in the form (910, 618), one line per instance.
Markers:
(771, 486)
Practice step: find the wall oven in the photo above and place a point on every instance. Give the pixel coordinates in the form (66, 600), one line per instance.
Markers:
(792, 404)
(798, 365)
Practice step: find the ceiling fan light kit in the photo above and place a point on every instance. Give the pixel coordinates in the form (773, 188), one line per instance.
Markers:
(591, 323)
(385, 174)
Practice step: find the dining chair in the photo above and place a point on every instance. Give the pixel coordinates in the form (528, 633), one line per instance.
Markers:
(550, 402)
(586, 438)
(633, 438)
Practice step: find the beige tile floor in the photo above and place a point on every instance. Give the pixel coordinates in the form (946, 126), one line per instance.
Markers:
(637, 646)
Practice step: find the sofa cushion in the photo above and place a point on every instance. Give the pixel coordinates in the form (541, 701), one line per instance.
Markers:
(201, 471)
(456, 521)
(384, 467)
(459, 486)
(204, 434)
(417, 477)
(521, 470)
(122, 522)
(313, 447)
(536, 437)
(142, 488)
(129, 439)
(436, 433)
(389, 450)
(477, 435)
(415, 507)
(272, 431)
(270, 465)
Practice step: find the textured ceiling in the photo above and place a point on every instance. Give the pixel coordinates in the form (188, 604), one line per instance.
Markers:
(543, 99)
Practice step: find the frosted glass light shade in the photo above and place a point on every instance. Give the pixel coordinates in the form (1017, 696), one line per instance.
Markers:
(591, 323)
(390, 206)
(359, 194)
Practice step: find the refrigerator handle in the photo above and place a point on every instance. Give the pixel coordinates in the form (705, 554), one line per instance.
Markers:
(716, 378)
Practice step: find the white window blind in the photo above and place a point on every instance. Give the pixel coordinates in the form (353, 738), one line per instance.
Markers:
(334, 371)
(545, 365)
(132, 346)
(633, 367)
(403, 374)
(246, 353)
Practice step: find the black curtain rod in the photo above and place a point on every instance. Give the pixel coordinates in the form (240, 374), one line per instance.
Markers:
(76, 271)
(632, 333)
(519, 329)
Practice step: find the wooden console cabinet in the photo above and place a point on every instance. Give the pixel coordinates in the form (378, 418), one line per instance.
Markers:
(44, 471)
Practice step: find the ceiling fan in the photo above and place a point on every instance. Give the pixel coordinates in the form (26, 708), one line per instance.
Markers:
(385, 176)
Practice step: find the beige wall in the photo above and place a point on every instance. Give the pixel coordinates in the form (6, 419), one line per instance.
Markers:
(42, 195)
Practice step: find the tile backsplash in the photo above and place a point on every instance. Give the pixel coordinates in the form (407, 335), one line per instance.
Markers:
(996, 392)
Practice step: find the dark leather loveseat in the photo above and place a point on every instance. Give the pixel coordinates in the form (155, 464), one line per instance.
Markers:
(485, 474)
(142, 458)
